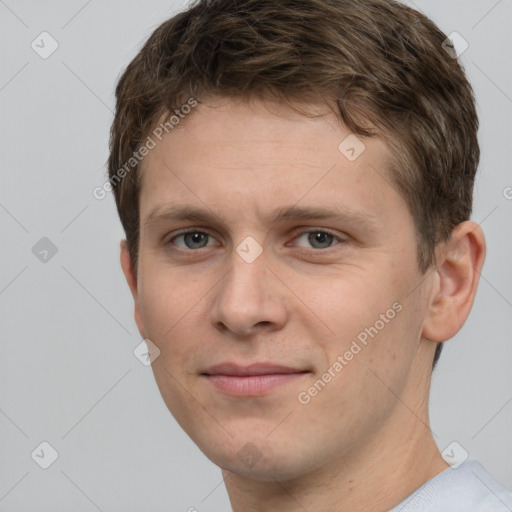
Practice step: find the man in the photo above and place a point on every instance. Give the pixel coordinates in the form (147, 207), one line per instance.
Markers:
(295, 183)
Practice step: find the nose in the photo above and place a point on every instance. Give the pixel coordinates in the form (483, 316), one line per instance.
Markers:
(249, 299)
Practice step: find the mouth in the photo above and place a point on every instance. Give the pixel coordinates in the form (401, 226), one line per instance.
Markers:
(249, 381)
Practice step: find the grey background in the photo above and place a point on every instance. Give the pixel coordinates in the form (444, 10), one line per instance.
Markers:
(67, 372)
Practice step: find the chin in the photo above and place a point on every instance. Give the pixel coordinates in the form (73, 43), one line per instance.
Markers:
(266, 469)
(260, 458)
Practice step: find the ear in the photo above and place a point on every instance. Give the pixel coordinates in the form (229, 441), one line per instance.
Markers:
(458, 267)
(126, 265)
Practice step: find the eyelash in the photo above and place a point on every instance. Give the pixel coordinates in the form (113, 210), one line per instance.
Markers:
(298, 235)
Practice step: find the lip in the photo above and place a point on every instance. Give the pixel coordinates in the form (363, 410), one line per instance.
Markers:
(257, 379)
(234, 369)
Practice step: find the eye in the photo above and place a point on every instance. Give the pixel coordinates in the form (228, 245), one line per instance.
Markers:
(191, 240)
(319, 239)
(315, 238)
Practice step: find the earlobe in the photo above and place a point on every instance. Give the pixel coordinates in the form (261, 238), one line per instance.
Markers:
(459, 263)
(129, 274)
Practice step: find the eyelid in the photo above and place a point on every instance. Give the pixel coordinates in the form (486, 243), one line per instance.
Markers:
(185, 231)
(313, 229)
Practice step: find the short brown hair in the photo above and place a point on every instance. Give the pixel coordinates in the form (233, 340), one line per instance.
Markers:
(381, 64)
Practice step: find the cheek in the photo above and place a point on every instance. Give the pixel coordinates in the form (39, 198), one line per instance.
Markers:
(167, 308)
(350, 307)
(364, 390)
(372, 329)
(173, 320)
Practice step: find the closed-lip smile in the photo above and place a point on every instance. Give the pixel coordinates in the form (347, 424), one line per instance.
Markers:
(256, 379)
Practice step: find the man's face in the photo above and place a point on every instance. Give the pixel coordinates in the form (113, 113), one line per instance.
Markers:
(253, 290)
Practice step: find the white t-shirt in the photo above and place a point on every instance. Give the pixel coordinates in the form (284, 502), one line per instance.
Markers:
(468, 488)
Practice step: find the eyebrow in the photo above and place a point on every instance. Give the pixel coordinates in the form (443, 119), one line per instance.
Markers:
(342, 213)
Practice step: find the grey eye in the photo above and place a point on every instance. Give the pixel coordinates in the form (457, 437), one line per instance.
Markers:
(318, 239)
(192, 240)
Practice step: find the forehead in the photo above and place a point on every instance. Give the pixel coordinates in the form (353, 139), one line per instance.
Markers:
(255, 156)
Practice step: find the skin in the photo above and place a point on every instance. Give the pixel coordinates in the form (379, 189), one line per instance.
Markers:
(363, 443)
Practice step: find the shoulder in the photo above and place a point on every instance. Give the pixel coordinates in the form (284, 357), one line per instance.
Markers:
(469, 488)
